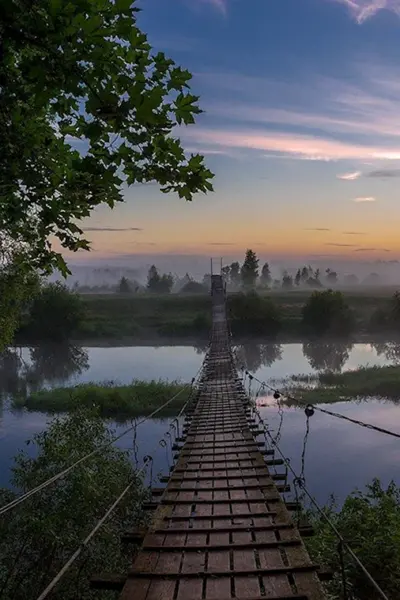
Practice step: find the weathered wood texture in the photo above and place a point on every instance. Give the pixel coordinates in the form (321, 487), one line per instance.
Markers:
(221, 529)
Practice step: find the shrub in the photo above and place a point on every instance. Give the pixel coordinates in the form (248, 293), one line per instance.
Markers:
(252, 313)
(55, 314)
(194, 287)
(327, 312)
(37, 539)
(370, 522)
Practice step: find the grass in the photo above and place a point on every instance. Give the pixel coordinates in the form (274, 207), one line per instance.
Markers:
(147, 316)
(152, 316)
(382, 382)
(140, 398)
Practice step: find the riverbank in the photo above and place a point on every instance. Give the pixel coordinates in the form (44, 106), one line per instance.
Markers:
(119, 402)
(364, 382)
(179, 317)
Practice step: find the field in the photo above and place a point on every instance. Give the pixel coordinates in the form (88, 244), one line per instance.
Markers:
(188, 317)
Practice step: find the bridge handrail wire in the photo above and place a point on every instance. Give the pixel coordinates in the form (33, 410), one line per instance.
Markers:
(322, 513)
(98, 526)
(324, 410)
(17, 501)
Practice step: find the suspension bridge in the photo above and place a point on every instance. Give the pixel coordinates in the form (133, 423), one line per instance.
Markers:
(221, 528)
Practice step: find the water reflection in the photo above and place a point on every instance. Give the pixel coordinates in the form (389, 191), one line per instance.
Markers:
(254, 356)
(47, 364)
(55, 364)
(390, 350)
(326, 355)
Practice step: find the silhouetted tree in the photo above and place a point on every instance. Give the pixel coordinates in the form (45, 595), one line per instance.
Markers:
(297, 279)
(226, 272)
(305, 274)
(249, 271)
(331, 277)
(153, 279)
(159, 284)
(235, 273)
(124, 286)
(266, 278)
(287, 281)
(351, 279)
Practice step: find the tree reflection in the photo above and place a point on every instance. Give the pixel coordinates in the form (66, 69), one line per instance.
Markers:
(55, 363)
(11, 379)
(254, 356)
(390, 350)
(327, 355)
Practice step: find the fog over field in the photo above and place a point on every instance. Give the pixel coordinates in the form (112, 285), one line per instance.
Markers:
(109, 271)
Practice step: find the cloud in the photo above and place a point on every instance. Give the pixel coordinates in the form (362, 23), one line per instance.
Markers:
(353, 233)
(113, 229)
(340, 245)
(362, 10)
(355, 119)
(349, 176)
(289, 144)
(384, 173)
(364, 199)
(220, 244)
(371, 250)
(316, 229)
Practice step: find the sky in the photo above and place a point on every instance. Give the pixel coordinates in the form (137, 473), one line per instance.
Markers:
(301, 128)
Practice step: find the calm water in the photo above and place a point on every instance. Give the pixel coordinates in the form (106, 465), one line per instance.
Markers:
(339, 455)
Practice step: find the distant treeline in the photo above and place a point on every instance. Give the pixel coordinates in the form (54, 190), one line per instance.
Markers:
(245, 276)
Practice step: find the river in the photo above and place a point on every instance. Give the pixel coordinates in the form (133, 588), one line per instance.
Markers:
(339, 456)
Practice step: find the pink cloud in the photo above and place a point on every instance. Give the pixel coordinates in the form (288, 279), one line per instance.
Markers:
(293, 145)
(349, 176)
(365, 9)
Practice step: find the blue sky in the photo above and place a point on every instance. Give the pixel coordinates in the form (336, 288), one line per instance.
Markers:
(301, 127)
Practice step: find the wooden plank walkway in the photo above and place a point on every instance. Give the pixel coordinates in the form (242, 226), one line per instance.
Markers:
(221, 530)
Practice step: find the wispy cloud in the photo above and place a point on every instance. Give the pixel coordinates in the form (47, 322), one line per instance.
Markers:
(354, 233)
(350, 176)
(384, 173)
(286, 144)
(322, 119)
(362, 10)
(220, 244)
(113, 229)
(316, 229)
(339, 245)
(372, 250)
(364, 199)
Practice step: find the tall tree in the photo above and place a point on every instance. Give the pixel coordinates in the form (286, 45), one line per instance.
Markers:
(87, 107)
(297, 279)
(153, 279)
(226, 272)
(287, 281)
(124, 286)
(249, 270)
(266, 278)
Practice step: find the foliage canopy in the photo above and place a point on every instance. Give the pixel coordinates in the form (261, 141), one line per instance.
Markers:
(86, 107)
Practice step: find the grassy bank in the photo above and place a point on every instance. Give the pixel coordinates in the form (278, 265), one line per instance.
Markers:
(140, 398)
(364, 382)
(148, 316)
(177, 316)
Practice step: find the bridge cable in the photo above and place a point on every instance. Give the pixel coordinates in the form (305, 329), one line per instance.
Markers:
(333, 527)
(147, 460)
(7, 507)
(330, 413)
